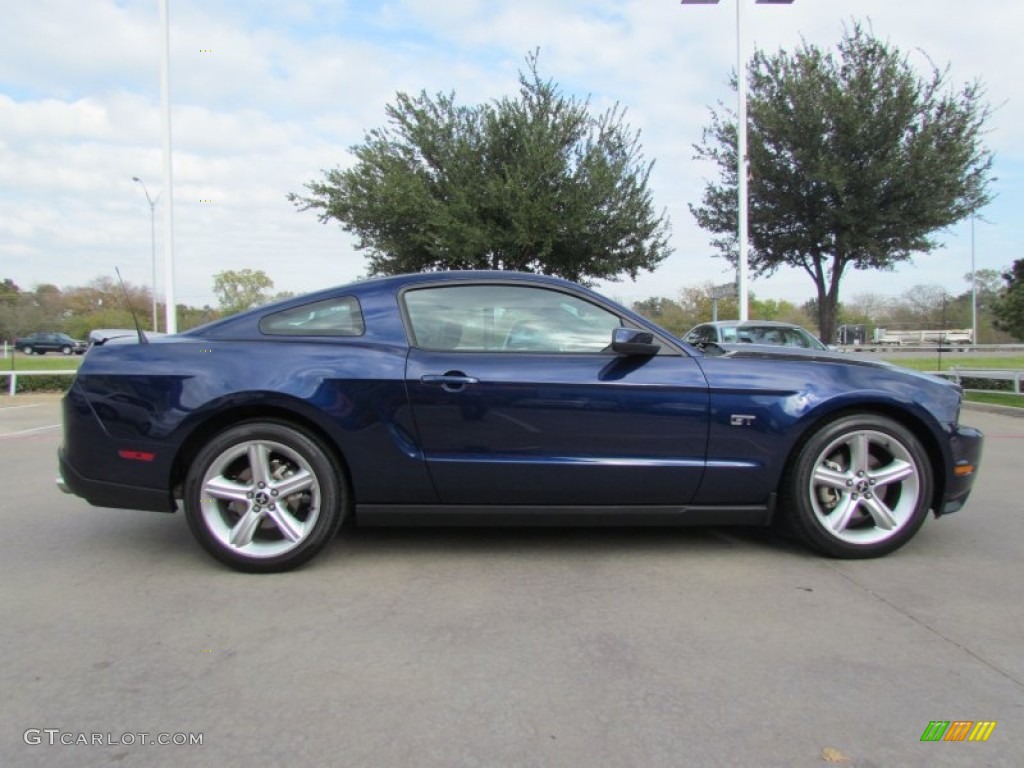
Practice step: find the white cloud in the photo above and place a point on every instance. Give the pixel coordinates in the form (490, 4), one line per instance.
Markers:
(288, 88)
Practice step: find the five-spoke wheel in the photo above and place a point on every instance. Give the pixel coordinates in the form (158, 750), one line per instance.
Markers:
(264, 496)
(861, 486)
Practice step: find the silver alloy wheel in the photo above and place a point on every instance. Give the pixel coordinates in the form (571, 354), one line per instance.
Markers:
(864, 487)
(260, 499)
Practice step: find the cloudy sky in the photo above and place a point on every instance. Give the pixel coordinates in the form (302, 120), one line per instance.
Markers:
(265, 94)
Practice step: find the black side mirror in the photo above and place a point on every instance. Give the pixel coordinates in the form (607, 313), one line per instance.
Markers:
(630, 341)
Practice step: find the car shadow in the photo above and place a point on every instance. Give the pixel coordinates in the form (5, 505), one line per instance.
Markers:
(563, 541)
(153, 538)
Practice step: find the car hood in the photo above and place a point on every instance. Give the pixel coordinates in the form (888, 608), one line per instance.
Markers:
(773, 352)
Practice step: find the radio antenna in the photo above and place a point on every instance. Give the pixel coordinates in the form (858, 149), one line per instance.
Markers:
(128, 301)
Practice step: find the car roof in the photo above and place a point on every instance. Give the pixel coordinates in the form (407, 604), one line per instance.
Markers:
(376, 297)
(751, 323)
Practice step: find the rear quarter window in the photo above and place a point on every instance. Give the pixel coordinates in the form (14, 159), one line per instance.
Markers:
(330, 317)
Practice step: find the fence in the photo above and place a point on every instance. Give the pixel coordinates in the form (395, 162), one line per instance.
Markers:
(958, 375)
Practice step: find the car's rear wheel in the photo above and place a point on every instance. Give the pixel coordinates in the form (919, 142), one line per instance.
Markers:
(264, 496)
(66, 350)
(860, 486)
(27, 350)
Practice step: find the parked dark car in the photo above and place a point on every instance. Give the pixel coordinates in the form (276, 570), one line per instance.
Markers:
(41, 343)
(497, 397)
(753, 332)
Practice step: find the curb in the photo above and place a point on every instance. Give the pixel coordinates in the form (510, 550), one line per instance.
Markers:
(1002, 410)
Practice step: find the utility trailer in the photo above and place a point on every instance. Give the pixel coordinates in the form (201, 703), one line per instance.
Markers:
(949, 337)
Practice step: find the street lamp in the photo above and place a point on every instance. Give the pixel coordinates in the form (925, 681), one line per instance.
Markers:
(974, 291)
(152, 238)
(170, 307)
(741, 145)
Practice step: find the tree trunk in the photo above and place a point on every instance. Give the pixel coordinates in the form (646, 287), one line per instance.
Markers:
(828, 301)
(827, 318)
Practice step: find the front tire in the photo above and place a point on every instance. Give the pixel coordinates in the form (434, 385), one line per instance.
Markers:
(66, 350)
(861, 486)
(27, 350)
(264, 496)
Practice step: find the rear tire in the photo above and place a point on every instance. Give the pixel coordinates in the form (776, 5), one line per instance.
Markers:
(265, 496)
(861, 486)
(27, 350)
(66, 350)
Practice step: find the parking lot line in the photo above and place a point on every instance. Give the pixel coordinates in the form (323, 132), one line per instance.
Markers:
(28, 431)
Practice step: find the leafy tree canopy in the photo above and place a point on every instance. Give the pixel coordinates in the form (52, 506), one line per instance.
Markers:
(533, 183)
(9, 291)
(1009, 307)
(239, 290)
(855, 162)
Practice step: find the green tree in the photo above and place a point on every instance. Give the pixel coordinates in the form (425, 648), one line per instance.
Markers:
(855, 162)
(9, 292)
(1009, 308)
(990, 287)
(11, 298)
(190, 317)
(239, 290)
(104, 303)
(781, 310)
(533, 183)
(49, 299)
(989, 282)
(665, 312)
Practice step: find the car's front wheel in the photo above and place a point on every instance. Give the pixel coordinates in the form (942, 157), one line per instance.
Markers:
(27, 350)
(66, 350)
(264, 496)
(860, 486)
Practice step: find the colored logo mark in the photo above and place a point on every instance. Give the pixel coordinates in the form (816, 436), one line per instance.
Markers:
(958, 730)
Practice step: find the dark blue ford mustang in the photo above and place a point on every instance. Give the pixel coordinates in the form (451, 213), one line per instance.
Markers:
(493, 397)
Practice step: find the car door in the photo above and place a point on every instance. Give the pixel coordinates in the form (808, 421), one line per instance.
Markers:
(518, 400)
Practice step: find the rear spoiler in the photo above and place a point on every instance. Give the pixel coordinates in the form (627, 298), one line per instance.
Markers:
(101, 336)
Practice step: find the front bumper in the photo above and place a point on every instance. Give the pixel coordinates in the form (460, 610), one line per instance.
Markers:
(965, 444)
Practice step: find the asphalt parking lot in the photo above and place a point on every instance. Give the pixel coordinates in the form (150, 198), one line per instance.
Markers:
(499, 647)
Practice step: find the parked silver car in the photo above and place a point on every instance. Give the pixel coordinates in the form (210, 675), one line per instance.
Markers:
(753, 332)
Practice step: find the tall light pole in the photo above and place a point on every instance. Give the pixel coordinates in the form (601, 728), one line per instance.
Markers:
(741, 148)
(152, 240)
(171, 309)
(974, 290)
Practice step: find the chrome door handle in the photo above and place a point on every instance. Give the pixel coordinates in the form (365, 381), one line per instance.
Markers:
(452, 381)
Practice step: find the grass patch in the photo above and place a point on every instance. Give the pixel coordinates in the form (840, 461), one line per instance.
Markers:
(996, 398)
(51, 362)
(952, 360)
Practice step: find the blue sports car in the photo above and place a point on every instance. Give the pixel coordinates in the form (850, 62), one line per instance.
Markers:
(498, 397)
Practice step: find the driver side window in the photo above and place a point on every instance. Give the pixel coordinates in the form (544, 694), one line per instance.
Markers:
(506, 318)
